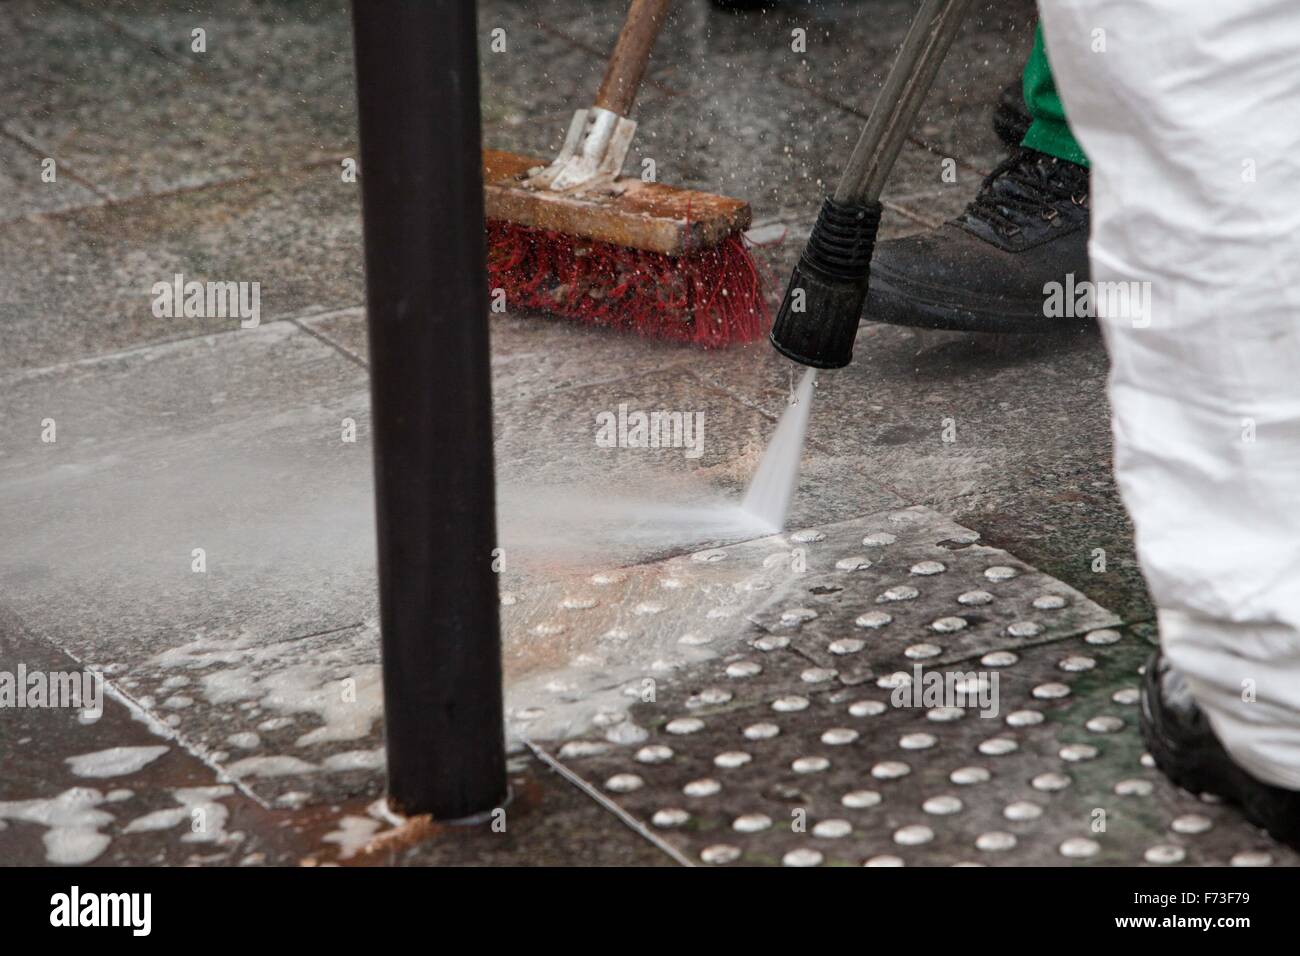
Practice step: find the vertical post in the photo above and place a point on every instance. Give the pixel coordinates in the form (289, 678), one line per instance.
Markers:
(431, 404)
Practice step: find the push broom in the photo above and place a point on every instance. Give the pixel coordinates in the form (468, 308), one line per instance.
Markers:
(577, 239)
(818, 319)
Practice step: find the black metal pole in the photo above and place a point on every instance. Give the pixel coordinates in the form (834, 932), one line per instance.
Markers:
(431, 403)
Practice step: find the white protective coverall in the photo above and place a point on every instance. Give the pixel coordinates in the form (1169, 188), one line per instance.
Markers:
(1189, 111)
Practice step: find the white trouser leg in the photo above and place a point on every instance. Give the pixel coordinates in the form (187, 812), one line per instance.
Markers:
(1189, 111)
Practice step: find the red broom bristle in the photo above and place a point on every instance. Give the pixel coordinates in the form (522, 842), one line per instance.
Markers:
(711, 297)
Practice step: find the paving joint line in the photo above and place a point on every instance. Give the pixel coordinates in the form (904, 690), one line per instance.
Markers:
(623, 816)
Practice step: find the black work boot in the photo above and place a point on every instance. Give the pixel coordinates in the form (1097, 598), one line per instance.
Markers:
(1184, 747)
(988, 269)
(1011, 119)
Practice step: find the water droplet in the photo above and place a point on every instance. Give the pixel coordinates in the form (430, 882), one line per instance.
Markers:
(1050, 602)
(846, 645)
(879, 539)
(1051, 691)
(770, 643)
(1024, 629)
(808, 536)
(1126, 695)
(884, 859)
(1000, 572)
(1076, 664)
(917, 741)
(608, 577)
(578, 603)
(866, 708)
(548, 629)
(949, 625)
(903, 592)
(921, 652)
(751, 823)
(927, 568)
(975, 598)
(695, 640)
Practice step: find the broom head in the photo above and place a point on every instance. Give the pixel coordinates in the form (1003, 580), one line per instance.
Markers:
(663, 262)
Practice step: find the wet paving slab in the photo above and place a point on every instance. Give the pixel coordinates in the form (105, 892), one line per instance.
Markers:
(1047, 770)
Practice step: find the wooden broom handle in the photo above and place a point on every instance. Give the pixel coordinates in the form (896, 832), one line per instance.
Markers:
(631, 53)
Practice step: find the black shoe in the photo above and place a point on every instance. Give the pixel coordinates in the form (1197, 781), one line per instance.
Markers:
(986, 270)
(1011, 118)
(1180, 739)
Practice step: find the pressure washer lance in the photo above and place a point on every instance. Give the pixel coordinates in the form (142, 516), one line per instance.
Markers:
(818, 320)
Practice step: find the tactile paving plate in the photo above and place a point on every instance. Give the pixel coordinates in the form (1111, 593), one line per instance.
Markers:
(844, 777)
(817, 591)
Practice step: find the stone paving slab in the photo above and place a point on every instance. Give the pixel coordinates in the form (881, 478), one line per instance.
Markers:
(111, 790)
(23, 191)
(80, 283)
(136, 117)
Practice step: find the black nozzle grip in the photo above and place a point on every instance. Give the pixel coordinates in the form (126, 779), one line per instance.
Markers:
(818, 320)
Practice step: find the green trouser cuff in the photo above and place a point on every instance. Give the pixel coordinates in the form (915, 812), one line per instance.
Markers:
(1049, 132)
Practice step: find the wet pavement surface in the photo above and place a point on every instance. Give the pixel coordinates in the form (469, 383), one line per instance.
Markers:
(186, 504)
